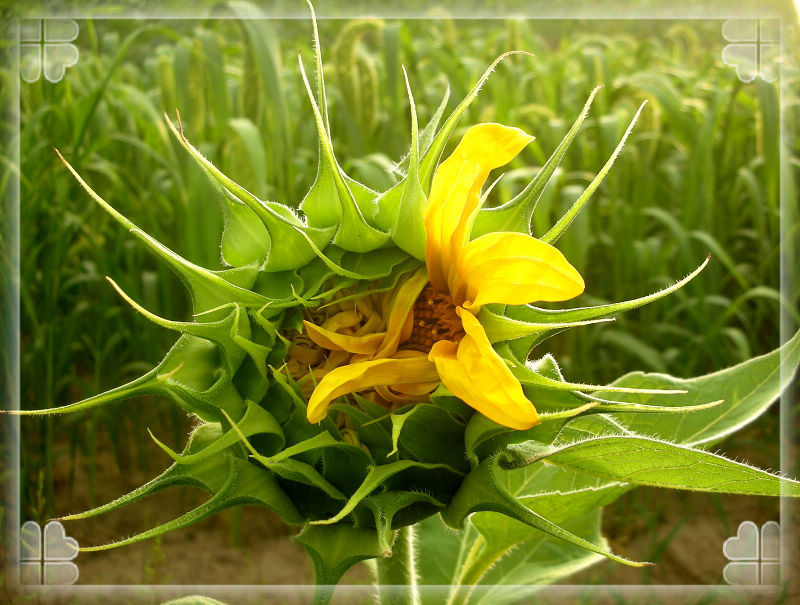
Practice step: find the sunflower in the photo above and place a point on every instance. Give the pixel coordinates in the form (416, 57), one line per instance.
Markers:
(426, 332)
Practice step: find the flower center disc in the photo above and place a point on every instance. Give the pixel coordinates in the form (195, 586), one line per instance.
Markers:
(435, 319)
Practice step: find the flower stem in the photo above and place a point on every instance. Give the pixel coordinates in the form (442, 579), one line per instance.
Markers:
(397, 575)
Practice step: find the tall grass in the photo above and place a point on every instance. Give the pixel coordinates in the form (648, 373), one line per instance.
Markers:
(699, 175)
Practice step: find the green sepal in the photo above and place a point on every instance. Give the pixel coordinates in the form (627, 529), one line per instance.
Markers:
(375, 263)
(517, 213)
(296, 426)
(184, 387)
(200, 386)
(429, 433)
(209, 474)
(286, 286)
(226, 332)
(485, 438)
(282, 464)
(394, 509)
(401, 209)
(479, 433)
(372, 425)
(368, 267)
(336, 548)
(521, 347)
(245, 239)
(385, 284)
(207, 288)
(290, 237)
(291, 249)
(482, 490)
(431, 158)
(380, 475)
(353, 232)
(442, 397)
(314, 275)
(426, 136)
(499, 327)
(256, 421)
(528, 374)
(561, 225)
(245, 484)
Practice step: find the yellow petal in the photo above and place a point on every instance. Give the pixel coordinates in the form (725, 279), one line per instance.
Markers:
(367, 374)
(474, 373)
(515, 269)
(343, 319)
(454, 198)
(305, 355)
(399, 323)
(333, 341)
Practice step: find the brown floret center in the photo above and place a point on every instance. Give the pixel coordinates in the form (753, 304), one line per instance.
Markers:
(435, 319)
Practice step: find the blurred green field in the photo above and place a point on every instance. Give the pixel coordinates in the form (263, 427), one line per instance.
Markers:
(699, 175)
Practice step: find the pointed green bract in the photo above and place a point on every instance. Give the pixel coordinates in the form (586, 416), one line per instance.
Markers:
(336, 548)
(353, 232)
(431, 158)
(481, 490)
(515, 215)
(400, 210)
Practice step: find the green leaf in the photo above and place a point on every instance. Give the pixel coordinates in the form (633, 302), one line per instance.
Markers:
(644, 461)
(514, 561)
(245, 484)
(747, 389)
(494, 548)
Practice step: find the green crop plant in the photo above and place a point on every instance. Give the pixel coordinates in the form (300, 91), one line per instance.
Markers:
(324, 391)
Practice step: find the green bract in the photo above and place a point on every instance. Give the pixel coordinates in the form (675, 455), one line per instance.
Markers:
(353, 483)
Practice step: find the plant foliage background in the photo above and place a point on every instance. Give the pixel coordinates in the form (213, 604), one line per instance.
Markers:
(699, 174)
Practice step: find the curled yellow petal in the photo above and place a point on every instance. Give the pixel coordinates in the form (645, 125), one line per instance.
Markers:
(454, 198)
(515, 269)
(304, 355)
(333, 341)
(343, 319)
(474, 373)
(399, 323)
(367, 374)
